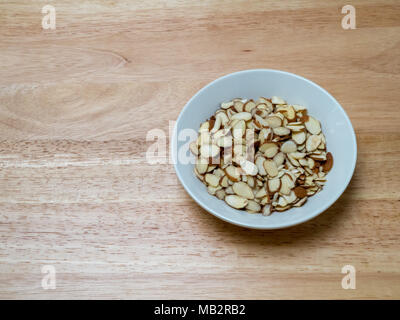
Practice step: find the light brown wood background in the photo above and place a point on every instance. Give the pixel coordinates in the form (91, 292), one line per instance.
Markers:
(75, 189)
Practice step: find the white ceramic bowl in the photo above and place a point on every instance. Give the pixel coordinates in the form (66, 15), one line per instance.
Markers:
(252, 84)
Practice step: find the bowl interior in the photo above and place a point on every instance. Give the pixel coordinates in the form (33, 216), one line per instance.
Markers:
(251, 84)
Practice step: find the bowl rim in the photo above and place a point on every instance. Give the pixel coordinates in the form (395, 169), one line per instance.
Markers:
(250, 225)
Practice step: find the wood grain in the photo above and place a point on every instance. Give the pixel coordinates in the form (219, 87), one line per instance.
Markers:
(77, 193)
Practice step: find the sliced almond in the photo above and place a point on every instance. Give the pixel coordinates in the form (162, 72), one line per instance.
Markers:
(274, 185)
(242, 189)
(212, 179)
(255, 190)
(300, 202)
(298, 107)
(271, 168)
(230, 112)
(270, 149)
(267, 210)
(301, 148)
(281, 131)
(280, 116)
(286, 184)
(279, 158)
(223, 117)
(274, 121)
(262, 100)
(313, 142)
(281, 209)
(299, 137)
(226, 105)
(291, 197)
(263, 135)
(209, 151)
(265, 200)
(311, 163)
(300, 192)
(289, 165)
(216, 126)
(292, 160)
(213, 190)
(229, 190)
(224, 182)
(288, 112)
(295, 126)
(289, 146)
(205, 138)
(261, 193)
(308, 171)
(312, 191)
(282, 202)
(232, 173)
(253, 206)
(328, 163)
(251, 125)
(218, 134)
(260, 122)
(264, 108)
(238, 106)
(275, 197)
(239, 151)
(249, 105)
(242, 116)
(220, 194)
(194, 148)
(251, 182)
(260, 165)
(249, 167)
(298, 155)
(201, 166)
(236, 202)
(269, 107)
(205, 126)
(239, 129)
(277, 100)
(318, 157)
(224, 142)
(312, 125)
(320, 182)
(292, 176)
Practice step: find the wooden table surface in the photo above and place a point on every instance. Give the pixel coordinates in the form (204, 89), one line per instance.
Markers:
(76, 192)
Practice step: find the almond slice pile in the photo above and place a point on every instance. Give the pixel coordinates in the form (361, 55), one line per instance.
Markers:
(262, 156)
